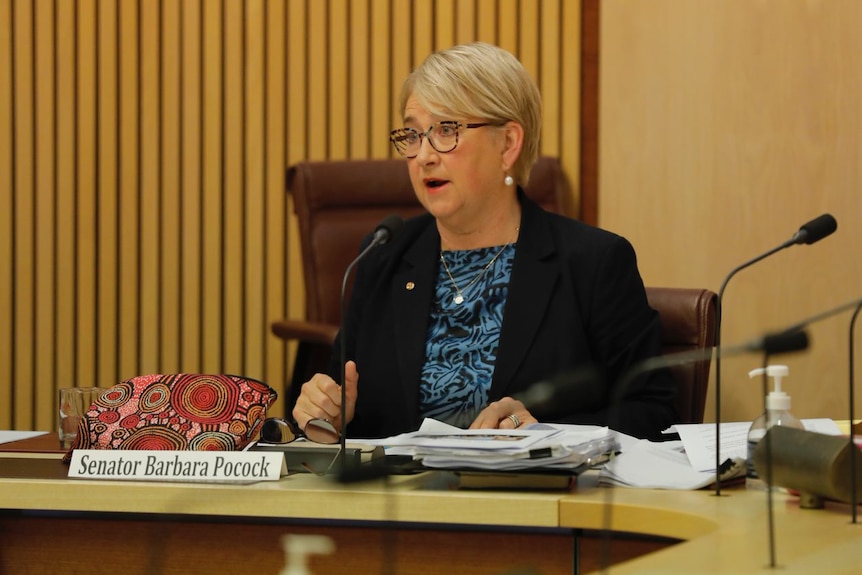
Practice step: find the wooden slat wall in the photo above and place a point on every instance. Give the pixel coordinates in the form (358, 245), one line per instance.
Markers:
(144, 225)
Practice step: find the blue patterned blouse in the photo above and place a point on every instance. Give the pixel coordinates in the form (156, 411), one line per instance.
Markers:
(462, 340)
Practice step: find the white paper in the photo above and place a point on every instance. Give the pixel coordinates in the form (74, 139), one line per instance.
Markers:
(661, 465)
(510, 441)
(699, 440)
(10, 436)
(539, 445)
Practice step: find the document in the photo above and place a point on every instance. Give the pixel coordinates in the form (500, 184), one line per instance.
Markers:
(690, 462)
(699, 440)
(660, 465)
(443, 446)
(10, 436)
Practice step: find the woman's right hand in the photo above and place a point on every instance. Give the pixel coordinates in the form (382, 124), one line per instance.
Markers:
(320, 398)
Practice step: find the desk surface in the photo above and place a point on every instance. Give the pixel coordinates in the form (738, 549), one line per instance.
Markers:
(726, 534)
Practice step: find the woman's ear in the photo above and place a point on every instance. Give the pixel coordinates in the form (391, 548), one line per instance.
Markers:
(513, 141)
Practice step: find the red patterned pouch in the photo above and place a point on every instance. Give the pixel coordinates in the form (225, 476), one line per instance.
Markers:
(179, 411)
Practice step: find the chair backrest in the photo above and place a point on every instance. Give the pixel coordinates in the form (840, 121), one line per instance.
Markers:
(338, 202)
(688, 323)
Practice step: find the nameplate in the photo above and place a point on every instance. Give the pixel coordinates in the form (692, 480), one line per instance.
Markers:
(194, 466)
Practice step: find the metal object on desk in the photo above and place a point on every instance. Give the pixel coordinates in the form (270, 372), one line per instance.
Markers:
(814, 464)
(319, 458)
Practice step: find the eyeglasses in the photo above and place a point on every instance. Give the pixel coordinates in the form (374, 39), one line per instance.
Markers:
(280, 431)
(443, 137)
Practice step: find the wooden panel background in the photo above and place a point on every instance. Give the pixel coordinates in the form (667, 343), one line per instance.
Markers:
(725, 125)
(144, 225)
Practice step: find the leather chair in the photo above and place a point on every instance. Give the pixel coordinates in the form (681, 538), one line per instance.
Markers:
(687, 323)
(338, 202)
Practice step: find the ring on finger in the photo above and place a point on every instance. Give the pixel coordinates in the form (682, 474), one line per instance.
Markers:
(514, 419)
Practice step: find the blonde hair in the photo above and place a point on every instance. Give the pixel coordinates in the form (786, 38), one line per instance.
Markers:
(483, 81)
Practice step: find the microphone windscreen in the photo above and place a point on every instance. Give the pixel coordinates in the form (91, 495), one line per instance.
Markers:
(817, 229)
(388, 228)
(783, 342)
(578, 389)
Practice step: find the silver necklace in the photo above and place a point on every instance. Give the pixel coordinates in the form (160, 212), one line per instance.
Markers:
(458, 298)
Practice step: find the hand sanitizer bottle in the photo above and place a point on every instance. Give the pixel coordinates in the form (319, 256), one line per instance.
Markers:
(777, 413)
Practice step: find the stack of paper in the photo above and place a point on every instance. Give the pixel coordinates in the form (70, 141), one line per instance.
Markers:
(689, 463)
(442, 446)
(700, 440)
(660, 466)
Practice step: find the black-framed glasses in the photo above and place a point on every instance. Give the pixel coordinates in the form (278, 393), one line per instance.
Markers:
(443, 137)
(276, 430)
(279, 431)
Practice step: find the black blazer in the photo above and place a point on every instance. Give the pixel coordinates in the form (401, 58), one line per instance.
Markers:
(575, 298)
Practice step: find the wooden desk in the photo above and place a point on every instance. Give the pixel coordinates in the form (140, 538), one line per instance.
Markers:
(726, 534)
(406, 524)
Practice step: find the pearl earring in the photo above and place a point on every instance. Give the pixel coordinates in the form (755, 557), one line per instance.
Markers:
(508, 180)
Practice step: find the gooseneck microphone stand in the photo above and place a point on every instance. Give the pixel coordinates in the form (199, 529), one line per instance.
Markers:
(768, 439)
(809, 233)
(385, 231)
(717, 344)
(853, 448)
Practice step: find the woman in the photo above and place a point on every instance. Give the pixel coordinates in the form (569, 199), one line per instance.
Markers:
(486, 293)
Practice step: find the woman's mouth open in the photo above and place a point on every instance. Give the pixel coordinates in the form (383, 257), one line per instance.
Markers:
(434, 184)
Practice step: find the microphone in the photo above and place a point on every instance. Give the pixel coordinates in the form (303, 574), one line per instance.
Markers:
(809, 233)
(824, 315)
(793, 329)
(814, 231)
(770, 344)
(774, 343)
(857, 306)
(777, 343)
(550, 398)
(385, 231)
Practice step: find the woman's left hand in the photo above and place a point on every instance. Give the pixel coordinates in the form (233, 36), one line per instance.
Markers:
(508, 413)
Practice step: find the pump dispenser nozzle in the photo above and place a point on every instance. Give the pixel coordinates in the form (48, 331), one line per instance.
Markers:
(776, 400)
